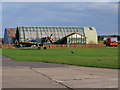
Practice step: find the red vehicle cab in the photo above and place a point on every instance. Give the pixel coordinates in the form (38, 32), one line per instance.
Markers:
(112, 41)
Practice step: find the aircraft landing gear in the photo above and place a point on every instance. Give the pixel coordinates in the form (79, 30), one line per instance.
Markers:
(45, 48)
(38, 47)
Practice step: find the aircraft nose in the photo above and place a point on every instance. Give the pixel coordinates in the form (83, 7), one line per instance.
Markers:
(49, 37)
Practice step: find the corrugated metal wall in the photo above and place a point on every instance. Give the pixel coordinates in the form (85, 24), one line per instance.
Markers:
(34, 32)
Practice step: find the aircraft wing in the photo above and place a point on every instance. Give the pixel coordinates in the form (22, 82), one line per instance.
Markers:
(29, 44)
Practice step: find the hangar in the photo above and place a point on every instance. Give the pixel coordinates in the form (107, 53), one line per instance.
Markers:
(9, 35)
(61, 34)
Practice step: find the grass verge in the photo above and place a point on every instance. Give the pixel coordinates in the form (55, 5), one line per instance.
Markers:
(91, 57)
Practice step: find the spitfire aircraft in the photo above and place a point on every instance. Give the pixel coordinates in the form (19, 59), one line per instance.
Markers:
(39, 42)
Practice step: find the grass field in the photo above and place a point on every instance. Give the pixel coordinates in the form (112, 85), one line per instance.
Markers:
(92, 57)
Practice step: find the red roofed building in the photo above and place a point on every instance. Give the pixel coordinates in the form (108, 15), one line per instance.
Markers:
(9, 35)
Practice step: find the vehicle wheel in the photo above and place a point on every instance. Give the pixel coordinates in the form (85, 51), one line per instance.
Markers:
(45, 48)
(115, 45)
(106, 45)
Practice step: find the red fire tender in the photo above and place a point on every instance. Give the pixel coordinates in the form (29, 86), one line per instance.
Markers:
(112, 41)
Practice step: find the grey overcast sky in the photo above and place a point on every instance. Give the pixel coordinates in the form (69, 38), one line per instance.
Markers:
(101, 15)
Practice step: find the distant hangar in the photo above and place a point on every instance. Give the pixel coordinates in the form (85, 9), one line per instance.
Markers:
(9, 35)
(61, 34)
